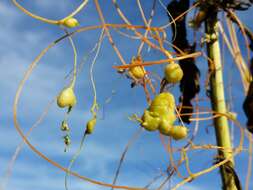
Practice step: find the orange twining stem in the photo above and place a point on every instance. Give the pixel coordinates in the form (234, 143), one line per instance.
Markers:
(149, 63)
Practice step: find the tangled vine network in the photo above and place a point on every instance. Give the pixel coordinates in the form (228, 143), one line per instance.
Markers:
(209, 22)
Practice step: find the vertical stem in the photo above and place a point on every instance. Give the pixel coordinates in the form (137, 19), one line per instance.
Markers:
(218, 102)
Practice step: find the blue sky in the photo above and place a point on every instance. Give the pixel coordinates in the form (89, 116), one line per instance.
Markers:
(22, 38)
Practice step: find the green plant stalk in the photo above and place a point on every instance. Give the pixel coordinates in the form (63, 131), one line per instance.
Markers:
(218, 102)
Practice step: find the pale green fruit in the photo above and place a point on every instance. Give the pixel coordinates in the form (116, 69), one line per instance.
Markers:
(160, 114)
(66, 98)
(166, 124)
(179, 132)
(90, 125)
(165, 129)
(163, 101)
(150, 120)
(173, 73)
(70, 22)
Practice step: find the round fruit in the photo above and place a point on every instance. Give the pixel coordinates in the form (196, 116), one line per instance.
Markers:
(179, 132)
(173, 73)
(167, 122)
(150, 120)
(70, 22)
(66, 98)
(165, 130)
(165, 100)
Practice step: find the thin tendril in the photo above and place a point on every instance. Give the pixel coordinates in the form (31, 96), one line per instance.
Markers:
(72, 84)
(21, 144)
(94, 106)
(50, 21)
(73, 160)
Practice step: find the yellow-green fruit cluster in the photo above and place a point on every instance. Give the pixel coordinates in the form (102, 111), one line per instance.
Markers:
(179, 132)
(173, 73)
(70, 22)
(66, 98)
(161, 116)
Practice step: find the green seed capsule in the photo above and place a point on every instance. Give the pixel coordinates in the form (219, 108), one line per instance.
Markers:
(90, 125)
(179, 132)
(160, 114)
(165, 130)
(70, 22)
(66, 98)
(151, 121)
(164, 100)
(173, 73)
